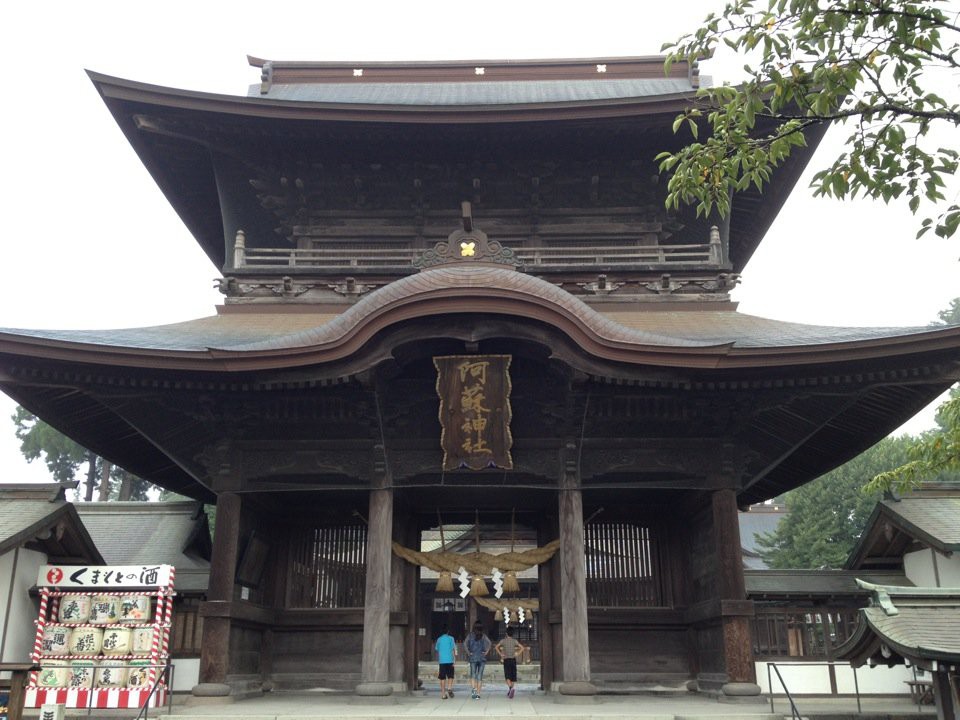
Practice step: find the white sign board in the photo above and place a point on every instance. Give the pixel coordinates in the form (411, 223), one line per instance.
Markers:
(104, 577)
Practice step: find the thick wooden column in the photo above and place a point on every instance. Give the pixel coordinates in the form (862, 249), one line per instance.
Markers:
(736, 610)
(549, 599)
(375, 665)
(215, 652)
(573, 592)
(403, 604)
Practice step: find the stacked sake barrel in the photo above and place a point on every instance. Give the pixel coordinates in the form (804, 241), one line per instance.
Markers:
(100, 641)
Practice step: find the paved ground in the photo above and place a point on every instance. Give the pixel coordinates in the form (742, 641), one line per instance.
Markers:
(529, 703)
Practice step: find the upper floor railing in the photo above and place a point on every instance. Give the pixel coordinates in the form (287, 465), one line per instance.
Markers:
(567, 257)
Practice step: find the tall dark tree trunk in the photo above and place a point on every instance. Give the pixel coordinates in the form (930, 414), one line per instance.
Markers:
(107, 469)
(126, 486)
(91, 475)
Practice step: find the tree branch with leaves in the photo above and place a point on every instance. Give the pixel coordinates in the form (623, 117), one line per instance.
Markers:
(887, 68)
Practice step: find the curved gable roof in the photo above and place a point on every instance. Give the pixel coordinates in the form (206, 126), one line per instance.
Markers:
(682, 339)
(290, 110)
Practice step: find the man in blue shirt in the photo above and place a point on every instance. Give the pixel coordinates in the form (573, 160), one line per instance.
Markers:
(446, 652)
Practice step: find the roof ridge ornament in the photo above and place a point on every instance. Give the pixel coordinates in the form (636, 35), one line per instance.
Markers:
(468, 244)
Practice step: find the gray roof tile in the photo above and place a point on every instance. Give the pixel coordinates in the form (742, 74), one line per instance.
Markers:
(131, 533)
(937, 517)
(267, 330)
(25, 507)
(458, 94)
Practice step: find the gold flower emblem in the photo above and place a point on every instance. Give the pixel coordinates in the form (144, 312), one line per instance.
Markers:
(468, 249)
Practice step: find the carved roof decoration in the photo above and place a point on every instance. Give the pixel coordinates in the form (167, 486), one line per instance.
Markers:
(468, 244)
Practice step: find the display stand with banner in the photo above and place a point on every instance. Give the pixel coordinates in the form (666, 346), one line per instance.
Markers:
(103, 636)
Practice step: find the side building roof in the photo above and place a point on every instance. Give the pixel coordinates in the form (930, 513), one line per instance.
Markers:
(896, 524)
(919, 626)
(815, 584)
(38, 517)
(171, 533)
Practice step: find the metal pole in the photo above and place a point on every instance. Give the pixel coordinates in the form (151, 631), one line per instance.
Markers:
(6, 614)
(856, 687)
(770, 686)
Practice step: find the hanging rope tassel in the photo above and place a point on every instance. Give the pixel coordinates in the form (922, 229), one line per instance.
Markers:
(444, 583)
(478, 586)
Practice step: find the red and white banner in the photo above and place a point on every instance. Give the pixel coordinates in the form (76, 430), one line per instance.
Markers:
(93, 697)
(105, 577)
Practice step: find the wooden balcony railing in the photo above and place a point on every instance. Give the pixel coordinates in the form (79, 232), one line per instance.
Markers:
(566, 257)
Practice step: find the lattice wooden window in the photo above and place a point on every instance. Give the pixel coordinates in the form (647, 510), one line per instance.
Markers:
(186, 633)
(328, 567)
(622, 566)
(800, 632)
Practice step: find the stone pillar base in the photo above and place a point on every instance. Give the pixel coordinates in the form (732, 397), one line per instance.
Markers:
(374, 691)
(576, 688)
(209, 694)
(740, 692)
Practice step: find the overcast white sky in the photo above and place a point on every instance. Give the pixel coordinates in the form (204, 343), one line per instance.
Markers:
(90, 242)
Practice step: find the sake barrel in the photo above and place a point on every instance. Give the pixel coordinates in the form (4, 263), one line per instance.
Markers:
(135, 609)
(138, 675)
(104, 609)
(53, 673)
(56, 640)
(116, 640)
(81, 673)
(112, 673)
(86, 641)
(142, 640)
(74, 608)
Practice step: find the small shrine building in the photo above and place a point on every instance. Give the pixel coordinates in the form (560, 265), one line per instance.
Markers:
(452, 289)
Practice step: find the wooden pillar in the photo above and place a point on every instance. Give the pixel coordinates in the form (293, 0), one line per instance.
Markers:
(375, 665)
(573, 591)
(215, 651)
(403, 603)
(411, 660)
(736, 610)
(546, 532)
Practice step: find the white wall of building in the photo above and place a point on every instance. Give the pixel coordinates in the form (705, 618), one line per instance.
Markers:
(20, 631)
(814, 679)
(919, 569)
(186, 674)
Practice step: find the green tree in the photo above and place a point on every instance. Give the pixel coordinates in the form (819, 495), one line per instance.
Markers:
(826, 516)
(936, 454)
(886, 68)
(63, 458)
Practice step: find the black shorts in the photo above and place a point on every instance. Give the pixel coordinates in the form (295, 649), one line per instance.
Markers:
(510, 669)
(446, 671)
